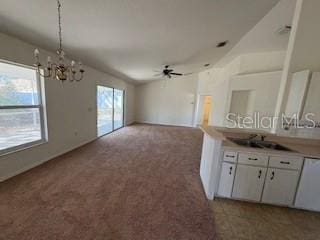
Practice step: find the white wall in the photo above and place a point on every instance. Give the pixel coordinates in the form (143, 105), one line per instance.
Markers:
(261, 62)
(303, 54)
(71, 110)
(265, 87)
(216, 81)
(306, 51)
(169, 101)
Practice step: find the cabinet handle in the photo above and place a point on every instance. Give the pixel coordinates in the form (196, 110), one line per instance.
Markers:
(230, 156)
(282, 162)
(272, 176)
(260, 173)
(253, 159)
(230, 172)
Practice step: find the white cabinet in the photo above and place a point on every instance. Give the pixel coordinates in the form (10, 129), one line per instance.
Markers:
(308, 196)
(280, 186)
(297, 93)
(312, 104)
(271, 179)
(249, 182)
(210, 165)
(226, 179)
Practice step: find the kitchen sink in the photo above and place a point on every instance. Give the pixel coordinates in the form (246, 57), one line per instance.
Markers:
(245, 143)
(259, 144)
(273, 145)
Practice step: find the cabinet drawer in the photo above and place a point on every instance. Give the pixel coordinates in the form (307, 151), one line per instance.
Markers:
(229, 156)
(253, 159)
(286, 162)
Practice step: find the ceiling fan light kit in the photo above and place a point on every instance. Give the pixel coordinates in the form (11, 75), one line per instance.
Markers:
(60, 70)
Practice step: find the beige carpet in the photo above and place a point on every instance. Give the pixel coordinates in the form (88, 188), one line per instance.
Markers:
(141, 182)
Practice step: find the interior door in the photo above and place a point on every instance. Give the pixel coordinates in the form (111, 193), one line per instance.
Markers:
(104, 110)
(280, 186)
(248, 183)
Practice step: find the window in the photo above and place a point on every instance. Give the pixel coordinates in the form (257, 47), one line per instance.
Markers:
(21, 110)
(109, 109)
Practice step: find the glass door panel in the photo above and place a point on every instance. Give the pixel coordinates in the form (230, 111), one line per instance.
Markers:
(104, 110)
(118, 108)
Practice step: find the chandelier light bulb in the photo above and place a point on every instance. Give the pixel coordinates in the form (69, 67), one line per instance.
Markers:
(62, 54)
(36, 53)
(80, 65)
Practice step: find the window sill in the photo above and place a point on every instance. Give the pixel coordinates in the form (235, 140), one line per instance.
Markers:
(22, 147)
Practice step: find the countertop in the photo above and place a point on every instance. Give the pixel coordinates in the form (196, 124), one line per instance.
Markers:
(299, 146)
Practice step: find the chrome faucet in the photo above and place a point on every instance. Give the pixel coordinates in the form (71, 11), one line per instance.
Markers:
(253, 136)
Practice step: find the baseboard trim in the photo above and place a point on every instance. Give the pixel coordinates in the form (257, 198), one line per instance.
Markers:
(131, 123)
(38, 163)
(164, 124)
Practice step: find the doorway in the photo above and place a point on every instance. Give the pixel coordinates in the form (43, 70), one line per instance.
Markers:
(204, 110)
(110, 110)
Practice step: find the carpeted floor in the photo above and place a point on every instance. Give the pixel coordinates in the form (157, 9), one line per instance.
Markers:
(141, 182)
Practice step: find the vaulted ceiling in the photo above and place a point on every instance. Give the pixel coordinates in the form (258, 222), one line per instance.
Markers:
(263, 37)
(131, 38)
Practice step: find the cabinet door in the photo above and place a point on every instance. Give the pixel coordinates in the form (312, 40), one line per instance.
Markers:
(226, 179)
(280, 186)
(248, 183)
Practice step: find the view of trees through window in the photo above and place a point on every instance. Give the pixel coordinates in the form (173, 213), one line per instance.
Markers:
(20, 113)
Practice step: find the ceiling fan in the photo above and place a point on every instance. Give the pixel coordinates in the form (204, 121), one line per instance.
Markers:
(166, 72)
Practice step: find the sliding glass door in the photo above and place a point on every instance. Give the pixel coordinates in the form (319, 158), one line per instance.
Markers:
(118, 109)
(109, 109)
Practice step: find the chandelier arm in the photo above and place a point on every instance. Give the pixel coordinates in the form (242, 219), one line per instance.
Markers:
(74, 76)
(70, 75)
(44, 75)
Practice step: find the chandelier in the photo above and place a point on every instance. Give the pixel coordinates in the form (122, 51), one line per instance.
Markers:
(60, 70)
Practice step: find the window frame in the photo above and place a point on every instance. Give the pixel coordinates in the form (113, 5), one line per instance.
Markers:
(40, 106)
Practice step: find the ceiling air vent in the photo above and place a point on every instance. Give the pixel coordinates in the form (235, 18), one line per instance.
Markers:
(284, 30)
(222, 44)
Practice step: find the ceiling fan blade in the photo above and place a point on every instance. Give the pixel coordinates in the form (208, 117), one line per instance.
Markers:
(158, 75)
(177, 74)
(186, 74)
(158, 71)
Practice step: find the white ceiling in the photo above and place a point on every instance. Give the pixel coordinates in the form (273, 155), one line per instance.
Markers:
(263, 37)
(130, 38)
